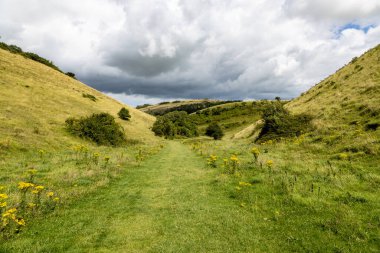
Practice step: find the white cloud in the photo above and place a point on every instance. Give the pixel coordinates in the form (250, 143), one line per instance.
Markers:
(181, 48)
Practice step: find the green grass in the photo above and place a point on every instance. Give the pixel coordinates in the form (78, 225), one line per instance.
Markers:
(174, 202)
(310, 200)
(171, 203)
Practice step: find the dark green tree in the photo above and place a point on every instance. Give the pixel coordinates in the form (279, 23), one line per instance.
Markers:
(215, 131)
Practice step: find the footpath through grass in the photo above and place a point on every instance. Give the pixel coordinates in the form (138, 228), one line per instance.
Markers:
(170, 203)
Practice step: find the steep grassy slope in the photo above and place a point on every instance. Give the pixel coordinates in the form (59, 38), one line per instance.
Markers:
(350, 97)
(35, 101)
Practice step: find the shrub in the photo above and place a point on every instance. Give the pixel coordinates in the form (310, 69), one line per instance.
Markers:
(100, 128)
(89, 96)
(175, 124)
(215, 131)
(70, 74)
(279, 123)
(124, 114)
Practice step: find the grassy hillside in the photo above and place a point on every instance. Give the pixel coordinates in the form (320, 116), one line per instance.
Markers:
(35, 101)
(351, 96)
(346, 106)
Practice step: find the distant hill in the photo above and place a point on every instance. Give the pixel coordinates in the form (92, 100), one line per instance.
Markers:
(189, 106)
(232, 117)
(35, 101)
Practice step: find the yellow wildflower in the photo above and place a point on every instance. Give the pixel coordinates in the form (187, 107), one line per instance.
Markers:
(234, 158)
(24, 185)
(56, 199)
(20, 221)
(269, 163)
(245, 184)
(3, 196)
(10, 213)
(39, 188)
(343, 156)
(31, 205)
(50, 194)
(3, 204)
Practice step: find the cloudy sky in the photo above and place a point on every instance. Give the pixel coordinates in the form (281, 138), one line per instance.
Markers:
(144, 51)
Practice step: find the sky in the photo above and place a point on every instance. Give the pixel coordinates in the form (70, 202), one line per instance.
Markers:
(147, 51)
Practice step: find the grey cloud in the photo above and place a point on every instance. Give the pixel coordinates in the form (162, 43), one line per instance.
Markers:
(193, 49)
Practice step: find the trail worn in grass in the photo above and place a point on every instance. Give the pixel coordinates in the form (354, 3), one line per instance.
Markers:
(168, 204)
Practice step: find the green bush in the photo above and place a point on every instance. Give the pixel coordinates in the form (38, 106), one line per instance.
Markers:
(279, 123)
(70, 74)
(124, 114)
(89, 96)
(175, 124)
(214, 131)
(100, 128)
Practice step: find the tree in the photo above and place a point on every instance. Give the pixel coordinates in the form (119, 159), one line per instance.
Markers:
(124, 114)
(175, 124)
(100, 128)
(215, 131)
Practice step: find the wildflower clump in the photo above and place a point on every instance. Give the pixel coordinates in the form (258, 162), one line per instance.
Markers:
(343, 156)
(234, 163)
(211, 161)
(269, 164)
(244, 184)
(24, 186)
(3, 202)
(106, 161)
(41, 153)
(255, 152)
(32, 201)
(10, 222)
(225, 163)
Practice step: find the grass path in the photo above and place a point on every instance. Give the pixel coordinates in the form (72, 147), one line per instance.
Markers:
(170, 203)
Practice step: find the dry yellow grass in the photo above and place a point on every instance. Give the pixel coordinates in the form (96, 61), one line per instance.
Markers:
(250, 131)
(35, 101)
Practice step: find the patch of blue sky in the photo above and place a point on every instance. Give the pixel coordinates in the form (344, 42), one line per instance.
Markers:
(347, 26)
